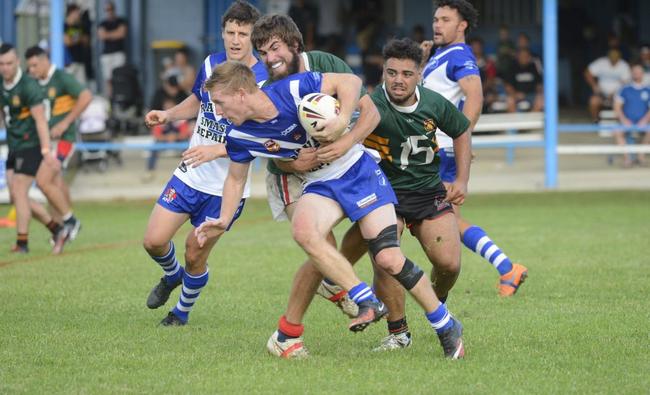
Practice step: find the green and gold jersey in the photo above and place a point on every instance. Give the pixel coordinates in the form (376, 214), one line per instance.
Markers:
(406, 137)
(61, 90)
(16, 100)
(321, 62)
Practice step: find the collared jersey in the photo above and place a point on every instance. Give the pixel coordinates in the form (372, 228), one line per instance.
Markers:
(61, 90)
(406, 137)
(283, 136)
(16, 101)
(210, 129)
(443, 71)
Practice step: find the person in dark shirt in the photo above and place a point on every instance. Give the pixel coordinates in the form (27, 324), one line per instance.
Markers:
(76, 38)
(112, 32)
(305, 15)
(524, 84)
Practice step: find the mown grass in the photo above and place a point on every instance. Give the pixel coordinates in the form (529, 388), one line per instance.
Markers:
(77, 323)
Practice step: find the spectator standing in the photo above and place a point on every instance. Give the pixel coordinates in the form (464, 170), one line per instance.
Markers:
(632, 107)
(185, 72)
(76, 38)
(112, 32)
(606, 76)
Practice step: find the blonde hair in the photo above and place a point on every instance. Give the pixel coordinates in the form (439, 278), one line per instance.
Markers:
(231, 76)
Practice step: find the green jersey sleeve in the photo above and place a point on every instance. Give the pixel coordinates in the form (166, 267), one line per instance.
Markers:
(448, 117)
(71, 85)
(32, 93)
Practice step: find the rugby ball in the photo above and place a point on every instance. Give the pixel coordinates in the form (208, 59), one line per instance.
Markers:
(315, 108)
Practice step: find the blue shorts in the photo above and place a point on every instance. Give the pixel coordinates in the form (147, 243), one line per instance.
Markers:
(181, 198)
(361, 190)
(447, 165)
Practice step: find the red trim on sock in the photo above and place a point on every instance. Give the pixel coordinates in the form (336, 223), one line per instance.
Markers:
(289, 329)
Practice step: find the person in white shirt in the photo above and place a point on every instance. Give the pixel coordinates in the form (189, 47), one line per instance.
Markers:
(606, 76)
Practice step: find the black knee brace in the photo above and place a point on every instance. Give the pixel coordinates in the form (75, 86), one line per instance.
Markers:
(387, 238)
(409, 275)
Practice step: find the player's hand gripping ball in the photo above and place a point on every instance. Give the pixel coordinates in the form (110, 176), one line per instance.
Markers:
(315, 108)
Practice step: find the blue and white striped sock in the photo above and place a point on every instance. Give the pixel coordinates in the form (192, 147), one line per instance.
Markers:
(362, 292)
(478, 241)
(440, 319)
(192, 286)
(169, 263)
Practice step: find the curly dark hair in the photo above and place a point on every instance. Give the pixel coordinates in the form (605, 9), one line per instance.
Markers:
(403, 48)
(242, 12)
(465, 9)
(280, 26)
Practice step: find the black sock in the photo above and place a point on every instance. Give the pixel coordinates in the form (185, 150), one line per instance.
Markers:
(54, 227)
(398, 327)
(21, 240)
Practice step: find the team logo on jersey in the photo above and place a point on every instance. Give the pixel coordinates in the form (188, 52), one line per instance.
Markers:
(51, 92)
(15, 101)
(272, 146)
(169, 195)
(429, 125)
(297, 136)
(644, 95)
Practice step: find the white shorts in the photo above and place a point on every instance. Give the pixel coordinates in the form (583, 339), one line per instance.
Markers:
(281, 191)
(110, 62)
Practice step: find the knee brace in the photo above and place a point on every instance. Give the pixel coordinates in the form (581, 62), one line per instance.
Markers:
(409, 275)
(387, 238)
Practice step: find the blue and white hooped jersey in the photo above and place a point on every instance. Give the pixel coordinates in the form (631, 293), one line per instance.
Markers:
(443, 71)
(283, 136)
(210, 129)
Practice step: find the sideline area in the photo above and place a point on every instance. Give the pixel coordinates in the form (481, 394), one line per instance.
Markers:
(490, 174)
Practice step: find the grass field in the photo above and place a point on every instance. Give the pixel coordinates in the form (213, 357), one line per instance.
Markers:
(77, 323)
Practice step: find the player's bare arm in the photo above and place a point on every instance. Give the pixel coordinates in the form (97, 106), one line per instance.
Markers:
(368, 120)
(306, 160)
(346, 87)
(457, 190)
(473, 90)
(187, 109)
(83, 100)
(200, 154)
(38, 113)
(233, 190)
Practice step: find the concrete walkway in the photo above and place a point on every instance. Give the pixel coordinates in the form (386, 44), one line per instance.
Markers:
(490, 174)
